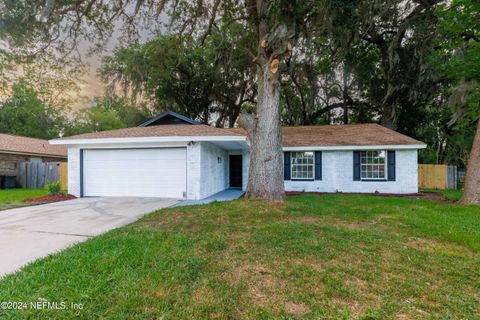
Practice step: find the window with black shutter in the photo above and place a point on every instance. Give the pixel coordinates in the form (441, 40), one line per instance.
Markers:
(318, 165)
(391, 165)
(286, 165)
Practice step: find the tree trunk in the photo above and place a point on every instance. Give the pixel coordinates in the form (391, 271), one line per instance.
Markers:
(387, 116)
(388, 107)
(471, 192)
(346, 74)
(265, 177)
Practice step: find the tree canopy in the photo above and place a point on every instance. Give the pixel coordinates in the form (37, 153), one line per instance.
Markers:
(25, 114)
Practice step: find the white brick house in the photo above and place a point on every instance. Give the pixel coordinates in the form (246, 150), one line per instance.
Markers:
(178, 158)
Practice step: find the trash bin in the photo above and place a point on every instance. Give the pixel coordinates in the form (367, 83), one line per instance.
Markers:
(7, 182)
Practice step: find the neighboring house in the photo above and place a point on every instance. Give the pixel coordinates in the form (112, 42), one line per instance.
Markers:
(16, 149)
(194, 161)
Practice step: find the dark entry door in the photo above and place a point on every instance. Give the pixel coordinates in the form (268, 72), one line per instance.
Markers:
(236, 171)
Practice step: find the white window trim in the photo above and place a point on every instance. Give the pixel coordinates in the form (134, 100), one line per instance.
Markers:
(291, 167)
(385, 167)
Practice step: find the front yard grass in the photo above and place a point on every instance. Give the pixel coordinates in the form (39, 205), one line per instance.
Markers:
(12, 198)
(330, 256)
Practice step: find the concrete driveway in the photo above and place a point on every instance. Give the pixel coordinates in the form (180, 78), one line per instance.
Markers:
(29, 233)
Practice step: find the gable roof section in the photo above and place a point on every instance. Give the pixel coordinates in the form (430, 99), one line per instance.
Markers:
(168, 114)
(299, 136)
(368, 134)
(30, 146)
(344, 135)
(156, 131)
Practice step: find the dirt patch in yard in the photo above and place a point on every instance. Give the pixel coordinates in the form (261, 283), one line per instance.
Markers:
(50, 198)
(296, 308)
(168, 222)
(264, 289)
(431, 196)
(350, 225)
(431, 245)
(355, 307)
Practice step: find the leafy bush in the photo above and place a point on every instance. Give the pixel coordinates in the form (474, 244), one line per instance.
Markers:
(54, 188)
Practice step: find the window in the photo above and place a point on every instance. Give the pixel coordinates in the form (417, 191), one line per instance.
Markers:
(373, 165)
(302, 165)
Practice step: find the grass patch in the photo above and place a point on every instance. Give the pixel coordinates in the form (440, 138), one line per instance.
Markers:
(12, 198)
(330, 256)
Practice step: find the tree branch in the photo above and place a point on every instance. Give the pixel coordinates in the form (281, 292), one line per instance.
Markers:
(211, 21)
(248, 122)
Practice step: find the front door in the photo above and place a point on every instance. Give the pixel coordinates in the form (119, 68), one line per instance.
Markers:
(235, 171)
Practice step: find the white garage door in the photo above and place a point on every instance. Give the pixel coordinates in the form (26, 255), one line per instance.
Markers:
(158, 172)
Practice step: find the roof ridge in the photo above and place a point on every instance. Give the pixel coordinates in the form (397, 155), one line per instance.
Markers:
(334, 125)
(24, 137)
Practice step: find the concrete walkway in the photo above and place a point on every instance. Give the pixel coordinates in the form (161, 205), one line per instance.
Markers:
(225, 195)
(29, 233)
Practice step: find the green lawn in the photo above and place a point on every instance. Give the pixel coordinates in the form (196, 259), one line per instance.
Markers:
(331, 256)
(12, 198)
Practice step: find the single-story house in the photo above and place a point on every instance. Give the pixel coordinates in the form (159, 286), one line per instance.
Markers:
(16, 149)
(180, 158)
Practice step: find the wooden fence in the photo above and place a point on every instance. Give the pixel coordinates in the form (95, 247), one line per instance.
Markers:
(63, 173)
(36, 174)
(437, 176)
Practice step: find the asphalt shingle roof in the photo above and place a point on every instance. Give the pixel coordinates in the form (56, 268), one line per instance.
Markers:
(31, 146)
(297, 136)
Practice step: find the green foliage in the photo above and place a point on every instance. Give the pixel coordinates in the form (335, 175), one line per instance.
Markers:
(460, 39)
(192, 78)
(108, 113)
(24, 114)
(459, 53)
(53, 188)
(458, 59)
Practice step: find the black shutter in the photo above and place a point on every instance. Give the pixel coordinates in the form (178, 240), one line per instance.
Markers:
(318, 165)
(356, 165)
(286, 165)
(391, 165)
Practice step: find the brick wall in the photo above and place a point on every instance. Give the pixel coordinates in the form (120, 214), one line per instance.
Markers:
(74, 171)
(8, 163)
(213, 175)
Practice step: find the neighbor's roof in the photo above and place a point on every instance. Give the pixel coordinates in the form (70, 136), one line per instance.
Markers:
(298, 136)
(30, 146)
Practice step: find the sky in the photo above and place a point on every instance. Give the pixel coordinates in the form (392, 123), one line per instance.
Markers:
(90, 84)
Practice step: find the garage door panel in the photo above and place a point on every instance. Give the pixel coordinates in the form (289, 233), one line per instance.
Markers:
(135, 172)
